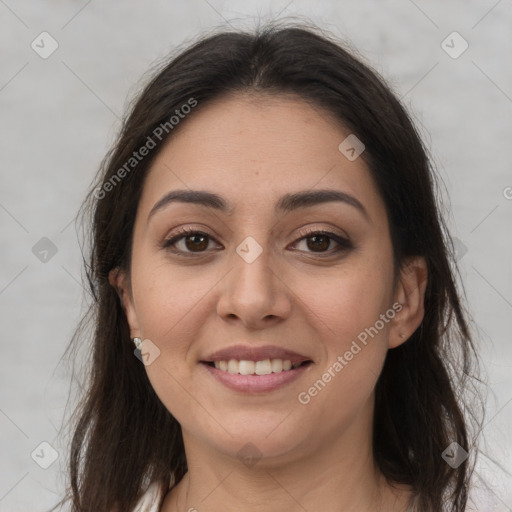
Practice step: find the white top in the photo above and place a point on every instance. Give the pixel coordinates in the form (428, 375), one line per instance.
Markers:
(150, 500)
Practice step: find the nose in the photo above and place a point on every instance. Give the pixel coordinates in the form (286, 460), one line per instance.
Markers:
(254, 293)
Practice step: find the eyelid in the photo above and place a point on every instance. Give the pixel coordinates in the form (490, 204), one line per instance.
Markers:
(316, 230)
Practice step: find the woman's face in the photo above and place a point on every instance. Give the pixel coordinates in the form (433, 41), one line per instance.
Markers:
(256, 285)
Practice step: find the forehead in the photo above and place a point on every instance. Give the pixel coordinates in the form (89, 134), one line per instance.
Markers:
(252, 150)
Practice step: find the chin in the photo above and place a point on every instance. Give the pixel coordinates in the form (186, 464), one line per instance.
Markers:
(269, 437)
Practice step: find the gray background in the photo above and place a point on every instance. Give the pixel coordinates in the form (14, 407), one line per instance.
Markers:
(60, 114)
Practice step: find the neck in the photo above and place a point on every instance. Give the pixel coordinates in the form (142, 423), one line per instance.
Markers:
(339, 474)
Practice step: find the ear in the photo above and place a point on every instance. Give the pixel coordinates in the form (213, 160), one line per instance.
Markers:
(121, 283)
(410, 293)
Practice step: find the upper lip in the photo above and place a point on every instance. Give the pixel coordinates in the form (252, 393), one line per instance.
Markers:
(250, 353)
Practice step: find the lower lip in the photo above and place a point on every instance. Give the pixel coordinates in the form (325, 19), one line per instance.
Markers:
(256, 383)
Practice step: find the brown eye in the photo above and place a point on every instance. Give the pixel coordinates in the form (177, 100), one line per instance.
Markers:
(320, 241)
(196, 242)
(188, 241)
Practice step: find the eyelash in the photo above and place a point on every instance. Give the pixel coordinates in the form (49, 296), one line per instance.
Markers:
(343, 243)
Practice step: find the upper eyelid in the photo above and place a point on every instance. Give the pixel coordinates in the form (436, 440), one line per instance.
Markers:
(186, 231)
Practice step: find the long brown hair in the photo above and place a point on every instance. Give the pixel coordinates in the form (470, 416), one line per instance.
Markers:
(123, 436)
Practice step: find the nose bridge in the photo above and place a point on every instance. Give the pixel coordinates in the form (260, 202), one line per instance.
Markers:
(253, 290)
(253, 276)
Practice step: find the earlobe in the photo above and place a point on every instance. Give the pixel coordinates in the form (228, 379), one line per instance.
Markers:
(119, 280)
(410, 293)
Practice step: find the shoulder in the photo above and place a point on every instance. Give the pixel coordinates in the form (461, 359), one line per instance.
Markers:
(151, 499)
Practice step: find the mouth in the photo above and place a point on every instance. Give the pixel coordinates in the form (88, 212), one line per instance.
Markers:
(261, 367)
(253, 370)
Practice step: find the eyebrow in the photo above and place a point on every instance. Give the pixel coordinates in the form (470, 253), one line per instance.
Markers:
(285, 204)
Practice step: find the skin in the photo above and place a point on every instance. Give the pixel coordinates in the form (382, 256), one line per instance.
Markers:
(251, 150)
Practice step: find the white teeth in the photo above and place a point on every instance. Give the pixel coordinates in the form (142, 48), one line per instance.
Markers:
(277, 365)
(246, 367)
(233, 366)
(264, 367)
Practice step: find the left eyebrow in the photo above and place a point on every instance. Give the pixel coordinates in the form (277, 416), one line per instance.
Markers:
(285, 204)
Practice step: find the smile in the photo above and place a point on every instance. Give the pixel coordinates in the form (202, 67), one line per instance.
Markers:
(253, 377)
(263, 367)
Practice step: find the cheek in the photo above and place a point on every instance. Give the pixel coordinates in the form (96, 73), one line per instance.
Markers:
(346, 303)
(354, 347)
(165, 293)
(172, 305)
(351, 315)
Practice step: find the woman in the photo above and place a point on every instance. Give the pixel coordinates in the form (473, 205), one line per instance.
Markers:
(266, 237)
